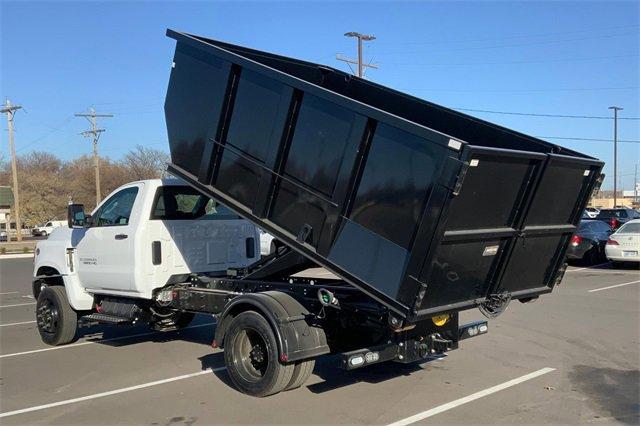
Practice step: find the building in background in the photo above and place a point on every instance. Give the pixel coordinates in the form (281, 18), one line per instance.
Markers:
(6, 203)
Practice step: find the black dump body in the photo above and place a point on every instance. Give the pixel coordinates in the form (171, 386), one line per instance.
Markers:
(421, 207)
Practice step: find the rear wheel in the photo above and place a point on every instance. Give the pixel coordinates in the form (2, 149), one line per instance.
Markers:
(301, 373)
(56, 319)
(251, 356)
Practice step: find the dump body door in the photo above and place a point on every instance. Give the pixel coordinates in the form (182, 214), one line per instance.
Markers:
(508, 229)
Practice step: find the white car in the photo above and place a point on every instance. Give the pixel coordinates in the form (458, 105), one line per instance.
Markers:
(624, 245)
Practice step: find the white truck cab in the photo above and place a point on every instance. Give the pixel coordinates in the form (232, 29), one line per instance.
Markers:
(143, 236)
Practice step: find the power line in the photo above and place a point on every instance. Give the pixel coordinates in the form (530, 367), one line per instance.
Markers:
(543, 61)
(512, 45)
(507, 37)
(579, 89)
(595, 117)
(587, 139)
(53, 130)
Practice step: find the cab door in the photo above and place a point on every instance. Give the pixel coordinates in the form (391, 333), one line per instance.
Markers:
(105, 255)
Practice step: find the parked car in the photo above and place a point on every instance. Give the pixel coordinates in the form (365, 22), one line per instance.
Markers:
(624, 245)
(618, 216)
(47, 228)
(588, 243)
(591, 212)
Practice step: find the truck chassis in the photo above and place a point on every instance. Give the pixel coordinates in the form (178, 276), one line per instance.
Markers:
(272, 324)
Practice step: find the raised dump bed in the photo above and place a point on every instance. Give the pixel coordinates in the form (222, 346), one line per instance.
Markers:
(423, 208)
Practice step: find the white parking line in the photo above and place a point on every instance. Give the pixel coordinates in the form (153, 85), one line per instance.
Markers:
(130, 336)
(613, 286)
(109, 393)
(17, 304)
(17, 323)
(9, 292)
(449, 405)
(588, 267)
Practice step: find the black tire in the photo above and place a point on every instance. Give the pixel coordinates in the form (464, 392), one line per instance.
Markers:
(591, 257)
(251, 356)
(301, 372)
(57, 321)
(616, 264)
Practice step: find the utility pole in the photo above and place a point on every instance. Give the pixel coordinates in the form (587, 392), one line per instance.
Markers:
(615, 154)
(361, 65)
(10, 111)
(635, 185)
(95, 134)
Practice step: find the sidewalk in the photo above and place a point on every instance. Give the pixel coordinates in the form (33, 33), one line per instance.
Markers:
(17, 247)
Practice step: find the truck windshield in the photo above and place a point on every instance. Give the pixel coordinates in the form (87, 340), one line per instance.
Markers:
(185, 203)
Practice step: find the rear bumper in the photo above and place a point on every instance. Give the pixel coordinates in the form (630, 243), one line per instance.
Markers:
(620, 254)
(578, 252)
(410, 350)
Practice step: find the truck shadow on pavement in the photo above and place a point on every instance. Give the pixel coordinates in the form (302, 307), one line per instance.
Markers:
(328, 370)
(200, 331)
(614, 392)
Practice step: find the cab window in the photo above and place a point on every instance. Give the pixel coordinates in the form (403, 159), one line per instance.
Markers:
(185, 203)
(116, 211)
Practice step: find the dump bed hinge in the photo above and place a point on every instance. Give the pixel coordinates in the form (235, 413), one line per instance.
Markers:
(460, 179)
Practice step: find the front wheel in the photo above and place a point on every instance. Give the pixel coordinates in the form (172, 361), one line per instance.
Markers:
(56, 319)
(251, 356)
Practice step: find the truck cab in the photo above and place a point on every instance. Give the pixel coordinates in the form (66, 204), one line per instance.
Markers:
(143, 236)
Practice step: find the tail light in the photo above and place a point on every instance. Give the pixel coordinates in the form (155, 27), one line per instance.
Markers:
(575, 240)
(613, 222)
(611, 242)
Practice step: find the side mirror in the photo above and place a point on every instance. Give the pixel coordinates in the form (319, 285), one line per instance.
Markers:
(76, 216)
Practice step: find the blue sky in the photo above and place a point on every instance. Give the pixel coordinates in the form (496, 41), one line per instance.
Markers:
(570, 57)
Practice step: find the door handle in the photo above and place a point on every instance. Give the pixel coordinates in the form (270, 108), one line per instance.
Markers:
(121, 236)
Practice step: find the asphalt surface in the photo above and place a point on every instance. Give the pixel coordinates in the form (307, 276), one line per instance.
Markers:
(572, 357)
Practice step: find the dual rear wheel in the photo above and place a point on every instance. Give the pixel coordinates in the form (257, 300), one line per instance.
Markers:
(251, 357)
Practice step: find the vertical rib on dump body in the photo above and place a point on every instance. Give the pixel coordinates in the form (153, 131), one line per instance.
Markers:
(423, 208)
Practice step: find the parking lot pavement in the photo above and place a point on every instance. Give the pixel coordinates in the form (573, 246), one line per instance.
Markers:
(571, 357)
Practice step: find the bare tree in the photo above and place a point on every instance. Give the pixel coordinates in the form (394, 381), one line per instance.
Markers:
(145, 163)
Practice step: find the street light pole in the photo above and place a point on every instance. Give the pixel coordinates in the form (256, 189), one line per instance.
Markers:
(361, 65)
(615, 154)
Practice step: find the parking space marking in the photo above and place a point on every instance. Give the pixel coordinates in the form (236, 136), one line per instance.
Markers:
(9, 292)
(17, 323)
(17, 304)
(109, 393)
(453, 404)
(588, 267)
(55, 348)
(613, 286)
